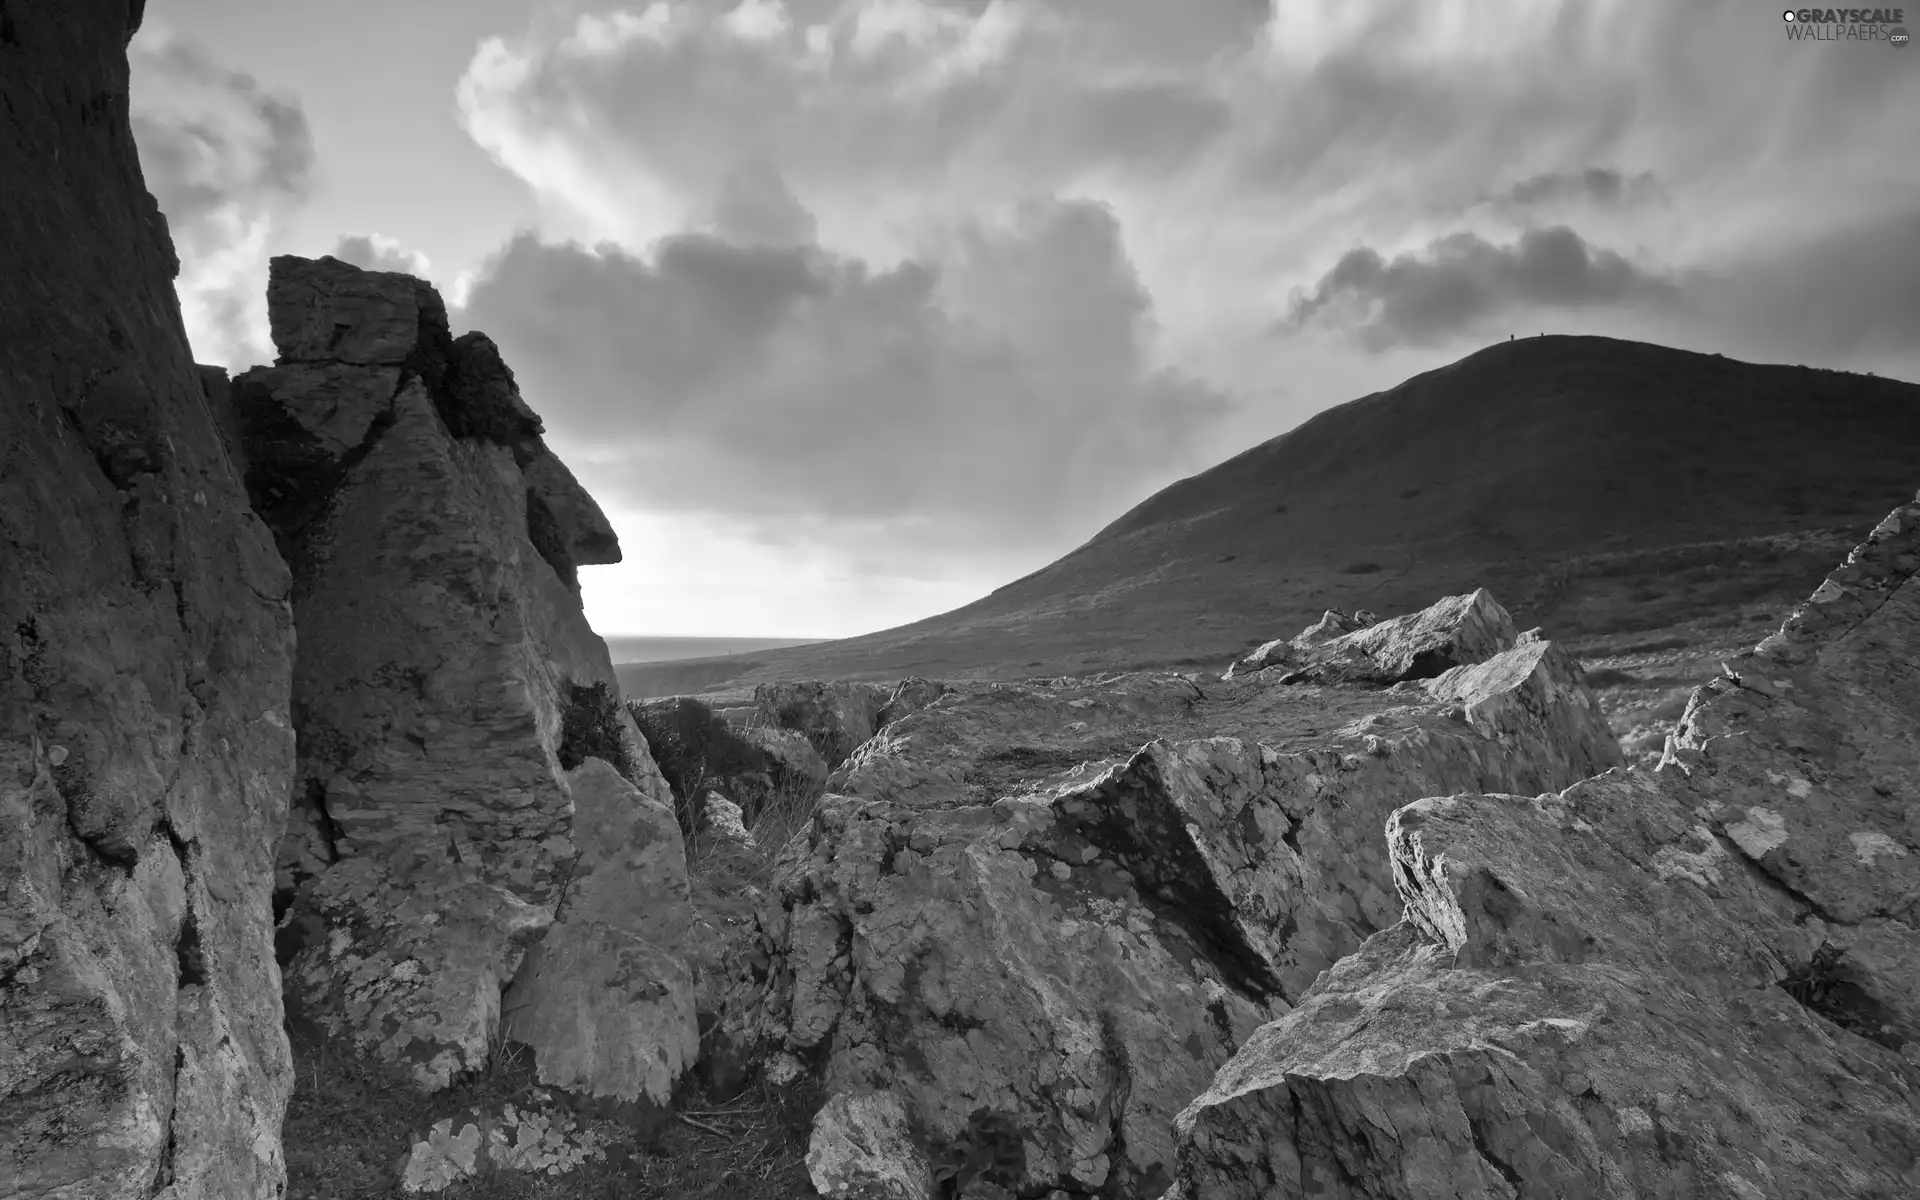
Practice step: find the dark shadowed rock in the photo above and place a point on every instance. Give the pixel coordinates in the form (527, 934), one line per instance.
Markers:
(145, 655)
(1698, 981)
(326, 310)
(1036, 919)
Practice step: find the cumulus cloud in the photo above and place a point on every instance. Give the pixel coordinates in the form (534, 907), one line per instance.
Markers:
(377, 252)
(1462, 279)
(227, 161)
(995, 393)
(637, 122)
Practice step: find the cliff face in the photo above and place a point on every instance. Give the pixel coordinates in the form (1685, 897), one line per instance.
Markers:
(443, 844)
(145, 663)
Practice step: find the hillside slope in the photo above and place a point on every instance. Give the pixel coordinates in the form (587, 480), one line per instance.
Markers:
(1596, 485)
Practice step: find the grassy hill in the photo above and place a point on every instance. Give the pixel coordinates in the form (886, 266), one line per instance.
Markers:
(1602, 488)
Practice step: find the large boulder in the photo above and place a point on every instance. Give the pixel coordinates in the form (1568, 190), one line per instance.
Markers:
(1342, 649)
(605, 997)
(836, 716)
(794, 767)
(446, 690)
(145, 656)
(1697, 981)
(1037, 919)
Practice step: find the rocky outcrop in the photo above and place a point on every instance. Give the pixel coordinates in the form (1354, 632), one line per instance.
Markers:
(1699, 980)
(145, 656)
(1037, 919)
(838, 716)
(794, 767)
(1343, 649)
(446, 838)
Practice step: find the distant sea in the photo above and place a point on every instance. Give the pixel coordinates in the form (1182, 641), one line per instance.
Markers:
(670, 649)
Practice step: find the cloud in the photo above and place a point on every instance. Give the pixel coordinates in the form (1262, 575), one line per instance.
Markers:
(1594, 185)
(995, 393)
(376, 252)
(227, 161)
(635, 123)
(1842, 293)
(1462, 279)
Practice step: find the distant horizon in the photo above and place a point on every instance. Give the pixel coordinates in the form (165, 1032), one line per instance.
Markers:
(649, 648)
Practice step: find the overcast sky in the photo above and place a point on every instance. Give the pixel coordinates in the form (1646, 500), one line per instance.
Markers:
(849, 311)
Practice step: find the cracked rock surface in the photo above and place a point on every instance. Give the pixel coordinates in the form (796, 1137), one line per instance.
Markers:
(1035, 919)
(440, 852)
(145, 655)
(1695, 981)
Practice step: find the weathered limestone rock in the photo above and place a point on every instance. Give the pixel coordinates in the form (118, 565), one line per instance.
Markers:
(909, 696)
(1342, 649)
(145, 657)
(795, 768)
(605, 998)
(1020, 941)
(936, 756)
(444, 671)
(836, 717)
(1699, 981)
(726, 822)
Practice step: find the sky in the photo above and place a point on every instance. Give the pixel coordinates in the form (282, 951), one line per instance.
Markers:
(850, 311)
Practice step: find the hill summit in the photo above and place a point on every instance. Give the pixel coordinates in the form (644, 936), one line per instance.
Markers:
(1597, 484)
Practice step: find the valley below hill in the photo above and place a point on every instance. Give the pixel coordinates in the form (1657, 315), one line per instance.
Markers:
(1615, 493)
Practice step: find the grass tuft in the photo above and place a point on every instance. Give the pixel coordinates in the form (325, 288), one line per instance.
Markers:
(591, 728)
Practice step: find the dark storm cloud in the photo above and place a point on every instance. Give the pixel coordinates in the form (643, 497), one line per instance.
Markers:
(1003, 383)
(1595, 185)
(1423, 299)
(1835, 295)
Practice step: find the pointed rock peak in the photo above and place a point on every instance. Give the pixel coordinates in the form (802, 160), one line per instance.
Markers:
(481, 398)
